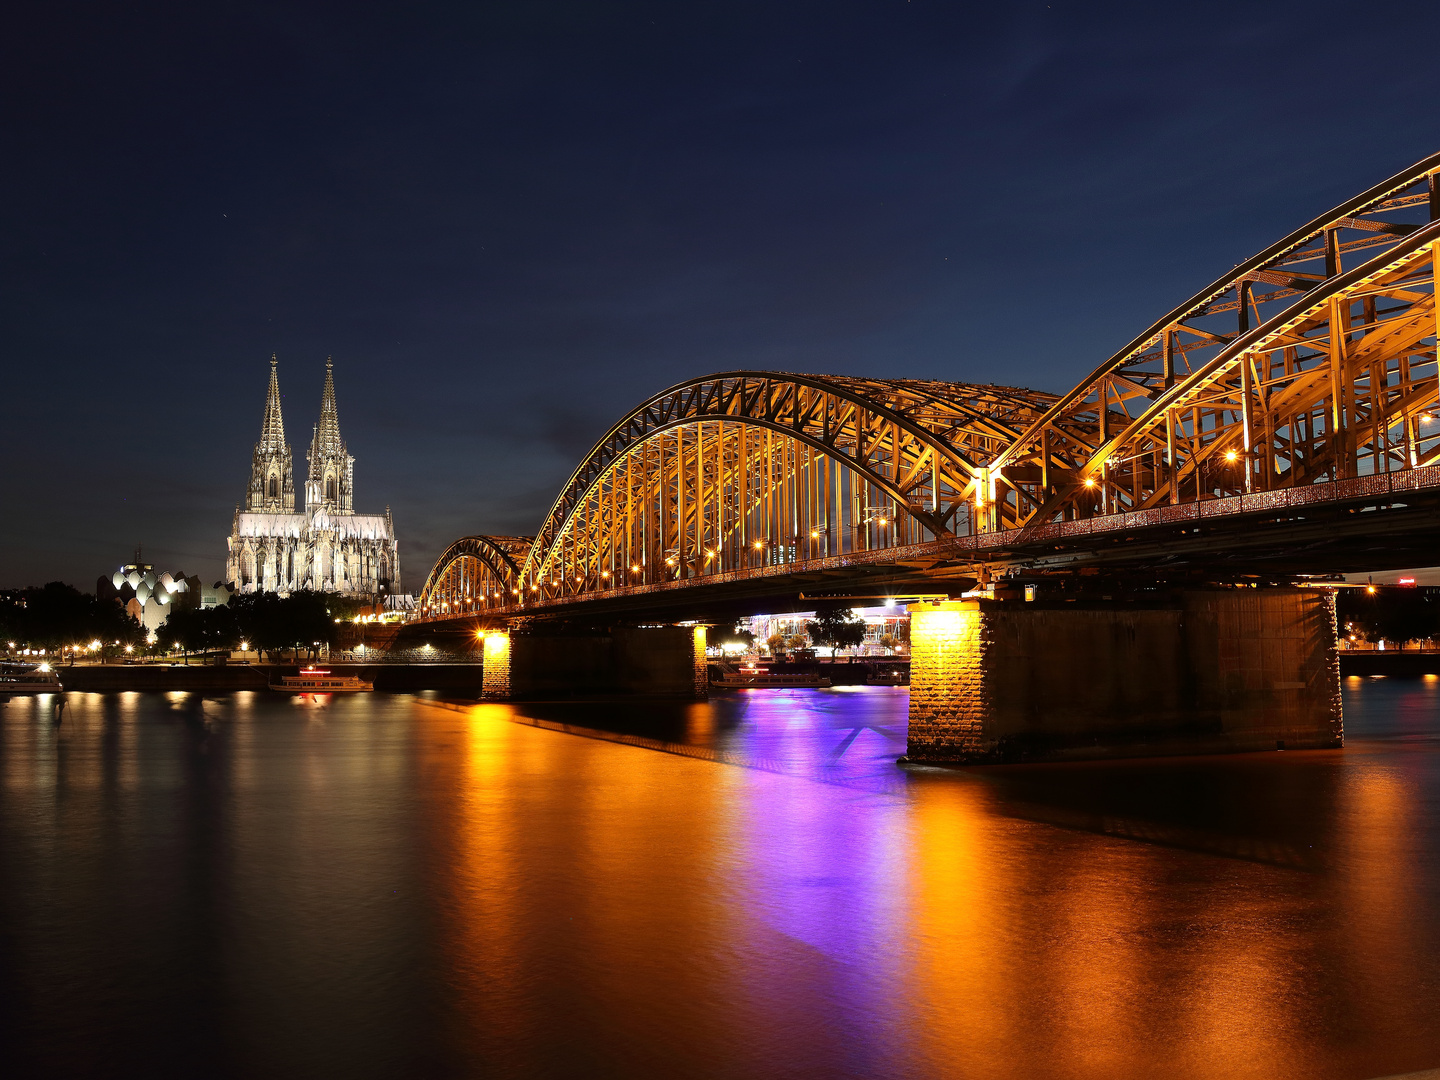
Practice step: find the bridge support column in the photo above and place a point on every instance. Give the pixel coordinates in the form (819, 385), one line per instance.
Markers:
(654, 661)
(699, 664)
(1204, 671)
(495, 679)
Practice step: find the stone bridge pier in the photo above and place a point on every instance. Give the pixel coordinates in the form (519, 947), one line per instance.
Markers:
(653, 661)
(1201, 671)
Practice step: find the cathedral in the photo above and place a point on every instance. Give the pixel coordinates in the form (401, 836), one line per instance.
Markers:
(327, 546)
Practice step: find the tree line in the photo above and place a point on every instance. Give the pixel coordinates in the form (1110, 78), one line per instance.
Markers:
(1395, 614)
(834, 627)
(58, 615)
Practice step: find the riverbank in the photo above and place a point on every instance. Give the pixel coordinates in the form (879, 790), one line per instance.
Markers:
(98, 678)
(1398, 662)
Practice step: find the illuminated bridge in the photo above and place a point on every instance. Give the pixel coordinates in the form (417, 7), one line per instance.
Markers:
(1276, 425)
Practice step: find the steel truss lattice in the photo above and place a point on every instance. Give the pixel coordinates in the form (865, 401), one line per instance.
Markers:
(474, 574)
(1312, 362)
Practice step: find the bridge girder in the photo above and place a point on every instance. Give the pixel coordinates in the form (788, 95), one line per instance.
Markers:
(1340, 384)
(474, 574)
(1312, 363)
(1040, 477)
(751, 468)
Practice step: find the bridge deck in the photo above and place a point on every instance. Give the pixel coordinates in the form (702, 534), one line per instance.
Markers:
(1365, 523)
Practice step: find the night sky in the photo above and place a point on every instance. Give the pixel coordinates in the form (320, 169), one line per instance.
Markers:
(510, 223)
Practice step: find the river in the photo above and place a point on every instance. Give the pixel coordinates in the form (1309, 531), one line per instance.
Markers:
(381, 885)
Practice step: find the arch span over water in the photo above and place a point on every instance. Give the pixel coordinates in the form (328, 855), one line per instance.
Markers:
(1313, 361)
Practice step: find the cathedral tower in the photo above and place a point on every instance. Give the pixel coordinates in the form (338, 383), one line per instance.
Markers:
(272, 476)
(274, 547)
(331, 484)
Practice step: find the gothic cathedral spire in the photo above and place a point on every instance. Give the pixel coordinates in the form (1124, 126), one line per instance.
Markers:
(331, 483)
(328, 547)
(272, 476)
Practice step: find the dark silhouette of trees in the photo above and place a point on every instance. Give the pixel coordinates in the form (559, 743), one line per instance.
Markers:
(1389, 613)
(736, 635)
(59, 614)
(195, 629)
(301, 621)
(836, 627)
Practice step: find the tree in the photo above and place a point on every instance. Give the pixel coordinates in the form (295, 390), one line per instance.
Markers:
(59, 614)
(736, 635)
(299, 621)
(1388, 614)
(194, 629)
(776, 644)
(836, 627)
(183, 630)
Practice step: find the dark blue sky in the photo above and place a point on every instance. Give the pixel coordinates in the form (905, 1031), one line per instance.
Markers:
(509, 223)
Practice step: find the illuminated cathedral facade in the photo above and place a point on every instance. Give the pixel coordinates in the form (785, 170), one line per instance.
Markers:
(274, 547)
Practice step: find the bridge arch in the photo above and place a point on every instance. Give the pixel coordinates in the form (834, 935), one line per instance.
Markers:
(1340, 385)
(1040, 477)
(751, 468)
(474, 574)
(1313, 361)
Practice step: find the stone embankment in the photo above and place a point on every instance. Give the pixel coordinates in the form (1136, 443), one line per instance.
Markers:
(204, 677)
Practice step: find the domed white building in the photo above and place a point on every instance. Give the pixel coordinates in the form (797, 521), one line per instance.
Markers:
(327, 546)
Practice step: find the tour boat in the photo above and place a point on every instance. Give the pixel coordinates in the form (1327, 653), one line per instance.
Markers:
(757, 678)
(319, 681)
(887, 678)
(29, 679)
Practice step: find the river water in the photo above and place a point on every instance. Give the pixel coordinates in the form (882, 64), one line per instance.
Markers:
(395, 886)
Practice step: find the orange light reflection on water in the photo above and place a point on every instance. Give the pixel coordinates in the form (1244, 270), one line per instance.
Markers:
(680, 912)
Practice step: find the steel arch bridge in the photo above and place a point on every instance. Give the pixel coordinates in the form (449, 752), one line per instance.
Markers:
(475, 574)
(1306, 374)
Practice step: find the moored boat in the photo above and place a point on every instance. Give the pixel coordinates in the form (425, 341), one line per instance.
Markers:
(755, 678)
(29, 679)
(320, 681)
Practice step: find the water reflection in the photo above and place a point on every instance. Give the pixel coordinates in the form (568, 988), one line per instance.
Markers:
(386, 885)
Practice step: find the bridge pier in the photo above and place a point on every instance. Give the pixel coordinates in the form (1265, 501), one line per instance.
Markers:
(653, 661)
(495, 676)
(1203, 671)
